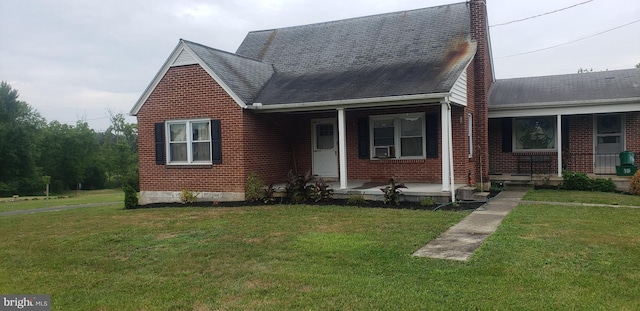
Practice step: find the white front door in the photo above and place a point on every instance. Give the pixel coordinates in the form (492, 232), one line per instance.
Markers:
(324, 147)
(609, 140)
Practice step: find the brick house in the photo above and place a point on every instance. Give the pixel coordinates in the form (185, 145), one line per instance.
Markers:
(399, 95)
(592, 117)
(403, 95)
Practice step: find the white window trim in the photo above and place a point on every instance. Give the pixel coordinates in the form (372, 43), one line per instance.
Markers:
(189, 131)
(397, 135)
(515, 141)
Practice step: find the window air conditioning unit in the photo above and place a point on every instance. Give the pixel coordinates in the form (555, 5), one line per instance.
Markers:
(382, 152)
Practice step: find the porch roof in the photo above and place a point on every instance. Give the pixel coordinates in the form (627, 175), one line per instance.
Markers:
(612, 90)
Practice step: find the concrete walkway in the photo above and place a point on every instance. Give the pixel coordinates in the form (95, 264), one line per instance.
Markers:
(461, 240)
(55, 208)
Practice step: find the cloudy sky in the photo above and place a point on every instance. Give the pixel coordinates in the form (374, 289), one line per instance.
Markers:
(76, 59)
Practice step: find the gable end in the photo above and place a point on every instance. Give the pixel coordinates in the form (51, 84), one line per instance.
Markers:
(182, 55)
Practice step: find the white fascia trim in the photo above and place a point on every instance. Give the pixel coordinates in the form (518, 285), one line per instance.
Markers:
(167, 65)
(352, 103)
(567, 108)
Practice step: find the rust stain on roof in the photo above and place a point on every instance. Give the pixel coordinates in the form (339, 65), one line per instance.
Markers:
(264, 49)
(459, 48)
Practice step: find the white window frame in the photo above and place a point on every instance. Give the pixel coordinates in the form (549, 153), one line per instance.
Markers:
(189, 133)
(552, 122)
(397, 134)
(470, 133)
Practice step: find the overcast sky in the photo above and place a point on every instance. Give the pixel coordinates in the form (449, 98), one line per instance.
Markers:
(75, 59)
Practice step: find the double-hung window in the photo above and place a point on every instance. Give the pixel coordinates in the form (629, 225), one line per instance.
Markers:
(398, 136)
(189, 142)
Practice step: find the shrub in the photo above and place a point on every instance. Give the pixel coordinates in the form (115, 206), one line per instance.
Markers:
(603, 185)
(188, 196)
(297, 189)
(634, 185)
(130, 197)
(253, 188)
(392, 192)
(582, 182)
(356, 200)
(268, 198)
(576, 181)
(427, 201)
(321, 191)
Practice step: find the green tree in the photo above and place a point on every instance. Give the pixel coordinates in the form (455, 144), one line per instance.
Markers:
(119, 150)
(20, 129)
(70, 155)
(638, 65)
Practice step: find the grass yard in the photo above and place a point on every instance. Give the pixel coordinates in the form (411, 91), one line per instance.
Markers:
(319, 258)
(583, 197)
(72, 198)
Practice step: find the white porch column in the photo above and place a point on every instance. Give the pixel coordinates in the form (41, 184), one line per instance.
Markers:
(444, 120)
(559, 144)
(342, 147)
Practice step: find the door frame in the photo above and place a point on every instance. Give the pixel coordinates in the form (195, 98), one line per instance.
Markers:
(315, 122)
(623, 141)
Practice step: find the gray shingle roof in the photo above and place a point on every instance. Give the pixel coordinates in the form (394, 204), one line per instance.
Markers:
(587, 87)
(245, 76)
(404, 53)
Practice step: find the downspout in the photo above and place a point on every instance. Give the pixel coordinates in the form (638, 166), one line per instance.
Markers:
(450, 138)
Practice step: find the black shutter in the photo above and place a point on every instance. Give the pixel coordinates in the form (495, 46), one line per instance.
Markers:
(216, 142)
(432, 135)
(507, 142)
(565, 132)
(159, 139)
(363, 138)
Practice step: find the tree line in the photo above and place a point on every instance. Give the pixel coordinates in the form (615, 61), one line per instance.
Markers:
(68, 157)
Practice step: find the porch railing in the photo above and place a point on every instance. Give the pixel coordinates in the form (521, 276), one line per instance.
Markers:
(604, 164)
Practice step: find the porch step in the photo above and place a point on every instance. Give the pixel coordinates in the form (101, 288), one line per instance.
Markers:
(510, 184)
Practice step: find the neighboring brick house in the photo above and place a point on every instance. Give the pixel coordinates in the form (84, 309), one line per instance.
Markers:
(592, 117)
(399, 95)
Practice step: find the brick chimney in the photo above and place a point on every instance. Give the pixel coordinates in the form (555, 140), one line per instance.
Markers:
(483, 74)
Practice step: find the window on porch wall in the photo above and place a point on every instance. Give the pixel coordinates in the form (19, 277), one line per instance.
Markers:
(534, 133)
(398, 136)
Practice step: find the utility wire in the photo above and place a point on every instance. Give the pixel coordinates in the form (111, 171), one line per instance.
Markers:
(530, 17)
(576, 40)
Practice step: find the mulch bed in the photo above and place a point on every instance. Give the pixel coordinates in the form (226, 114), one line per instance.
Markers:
(460, 206)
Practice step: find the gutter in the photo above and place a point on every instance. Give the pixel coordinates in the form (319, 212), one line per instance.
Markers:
(564, 104)
(351, 103)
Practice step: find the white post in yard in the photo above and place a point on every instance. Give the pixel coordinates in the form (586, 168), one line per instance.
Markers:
(444, 120)
(559, 144)
(342, 148)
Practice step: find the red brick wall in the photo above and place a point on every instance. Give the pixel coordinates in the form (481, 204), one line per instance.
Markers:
(581, 144)
(632, 135)
(188, 92)
(482, 80)
(268, 145)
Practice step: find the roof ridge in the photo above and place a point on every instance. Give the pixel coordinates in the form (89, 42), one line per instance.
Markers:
(225, 52)
(355, 18)
(583, 74)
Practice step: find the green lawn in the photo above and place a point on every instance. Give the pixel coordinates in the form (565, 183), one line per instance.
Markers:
(319, 258)
(72, 198)
(583, 197)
